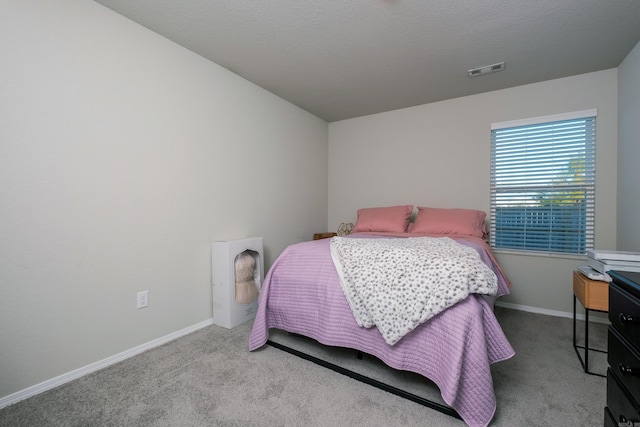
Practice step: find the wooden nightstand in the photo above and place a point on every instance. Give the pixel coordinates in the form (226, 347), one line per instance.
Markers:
(319, 236)
(593, 295)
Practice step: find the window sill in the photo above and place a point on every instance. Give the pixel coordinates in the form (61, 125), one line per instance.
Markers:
(539, 254)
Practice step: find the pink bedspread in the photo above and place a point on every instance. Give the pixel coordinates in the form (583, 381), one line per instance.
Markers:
(301, 294)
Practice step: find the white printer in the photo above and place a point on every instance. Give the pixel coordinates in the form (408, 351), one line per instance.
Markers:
(603, 261)
(599, 262)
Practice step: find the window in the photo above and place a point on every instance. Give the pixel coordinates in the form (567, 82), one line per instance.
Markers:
(543, 184)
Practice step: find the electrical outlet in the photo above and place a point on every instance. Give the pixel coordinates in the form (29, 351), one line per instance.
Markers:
(143, 299)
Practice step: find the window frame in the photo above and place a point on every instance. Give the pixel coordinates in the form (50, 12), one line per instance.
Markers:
(589, 188)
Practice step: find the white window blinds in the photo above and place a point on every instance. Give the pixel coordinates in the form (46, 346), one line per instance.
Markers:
(543, 184)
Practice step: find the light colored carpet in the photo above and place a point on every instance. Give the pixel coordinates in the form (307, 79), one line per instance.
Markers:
(208, 378)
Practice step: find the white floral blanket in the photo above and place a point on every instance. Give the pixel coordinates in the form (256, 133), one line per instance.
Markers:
(398, 283)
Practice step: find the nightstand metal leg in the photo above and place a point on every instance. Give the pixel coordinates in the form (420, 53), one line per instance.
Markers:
(586, 340)
(584, 361)
(574, 322)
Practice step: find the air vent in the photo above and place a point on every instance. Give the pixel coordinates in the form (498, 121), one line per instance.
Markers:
(486, 70)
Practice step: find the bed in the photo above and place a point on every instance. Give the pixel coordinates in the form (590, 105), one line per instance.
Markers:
(454, 348)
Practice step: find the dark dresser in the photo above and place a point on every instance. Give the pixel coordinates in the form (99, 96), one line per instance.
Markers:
(623, 375)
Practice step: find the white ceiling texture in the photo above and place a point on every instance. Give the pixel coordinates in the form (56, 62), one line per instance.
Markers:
(340, 59)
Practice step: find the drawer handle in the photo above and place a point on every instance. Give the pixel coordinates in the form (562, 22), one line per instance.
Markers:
(625, 422)
(627, 319)
(627, 370)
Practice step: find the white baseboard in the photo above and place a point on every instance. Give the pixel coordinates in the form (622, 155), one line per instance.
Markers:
(555, 313)
(77, 373)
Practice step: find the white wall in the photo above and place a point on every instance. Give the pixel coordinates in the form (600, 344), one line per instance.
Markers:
(629, 152)
(122, 156)
(438, 155)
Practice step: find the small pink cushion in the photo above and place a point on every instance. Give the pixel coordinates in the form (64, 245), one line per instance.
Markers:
(460, 222)
(389, 219)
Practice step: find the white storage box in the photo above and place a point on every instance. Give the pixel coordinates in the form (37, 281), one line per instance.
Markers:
(238, 271)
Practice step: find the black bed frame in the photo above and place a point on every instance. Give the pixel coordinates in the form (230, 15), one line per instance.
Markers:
(447, 410)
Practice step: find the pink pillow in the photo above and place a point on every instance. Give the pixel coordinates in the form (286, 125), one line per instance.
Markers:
(389, 219)
(460, 222)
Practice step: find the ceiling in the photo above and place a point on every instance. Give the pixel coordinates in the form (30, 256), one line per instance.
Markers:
(340, 59)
